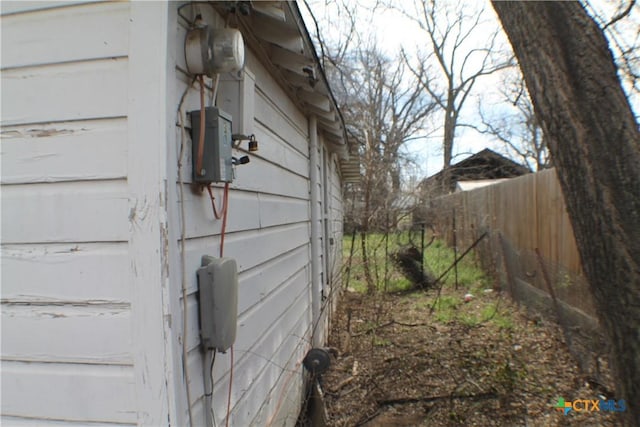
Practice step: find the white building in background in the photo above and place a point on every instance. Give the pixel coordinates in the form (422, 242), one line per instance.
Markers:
(93, 216)
(479, 183)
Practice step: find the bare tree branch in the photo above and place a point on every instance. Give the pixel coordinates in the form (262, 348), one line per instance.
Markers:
(461, 61)
(519, 130)
(621, 15)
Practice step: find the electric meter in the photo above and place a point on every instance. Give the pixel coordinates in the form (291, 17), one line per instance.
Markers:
(211, 51)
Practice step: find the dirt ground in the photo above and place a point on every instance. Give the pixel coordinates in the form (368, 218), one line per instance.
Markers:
(399, 365)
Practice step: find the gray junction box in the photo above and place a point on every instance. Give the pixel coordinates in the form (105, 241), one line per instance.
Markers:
(217, 163)
(218, 286)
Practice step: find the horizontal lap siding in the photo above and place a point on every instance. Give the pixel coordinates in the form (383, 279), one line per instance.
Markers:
(268, 234)
(66, 333)
(331, 204)
(65, 92)
(8, 421)
(38, 153)
(97, 393)
(59, 273)
(40, 40)
(66, 315)
(336, 213)
(65, 212)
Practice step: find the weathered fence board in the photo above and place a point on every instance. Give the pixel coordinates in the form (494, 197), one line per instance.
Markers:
(521, 215)
(526, 213)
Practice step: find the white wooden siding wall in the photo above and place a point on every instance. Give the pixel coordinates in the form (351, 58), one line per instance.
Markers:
(268, 233)
(336, 214)
(322, 274)
(66, 300)
(331, 201)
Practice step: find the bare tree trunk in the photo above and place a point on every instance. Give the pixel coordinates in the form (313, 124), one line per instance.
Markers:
(363, 238)
(447, 143)
(365, 262)
(595, 144)
(449, 129)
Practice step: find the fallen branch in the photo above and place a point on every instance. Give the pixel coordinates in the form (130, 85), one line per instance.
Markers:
(341, 385)
(411, 325)
(367, 418)
(347, 381)
(384, 325)
(455, 262)
(372, 329)
(407, 400)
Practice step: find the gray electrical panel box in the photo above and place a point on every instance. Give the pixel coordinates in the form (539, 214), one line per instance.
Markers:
(218, 287)
(217, 163)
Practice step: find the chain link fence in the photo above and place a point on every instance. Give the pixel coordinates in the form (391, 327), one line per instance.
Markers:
(530, 252)
(548, 289)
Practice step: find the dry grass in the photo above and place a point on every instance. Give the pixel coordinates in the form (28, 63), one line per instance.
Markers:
(480, 363)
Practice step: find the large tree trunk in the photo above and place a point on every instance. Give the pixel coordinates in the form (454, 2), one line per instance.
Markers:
(595, 144)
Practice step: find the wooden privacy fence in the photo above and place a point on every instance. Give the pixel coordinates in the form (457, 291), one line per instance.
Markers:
(521, 215)
(530, 251)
